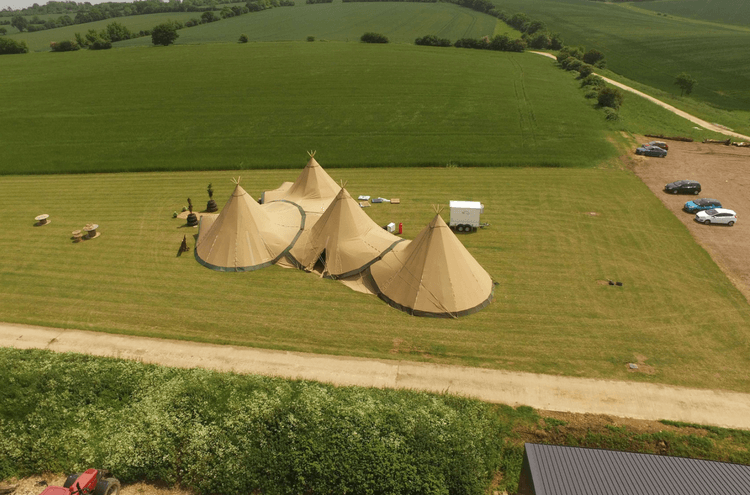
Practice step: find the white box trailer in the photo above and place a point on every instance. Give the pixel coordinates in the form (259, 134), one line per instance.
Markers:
(465, 216)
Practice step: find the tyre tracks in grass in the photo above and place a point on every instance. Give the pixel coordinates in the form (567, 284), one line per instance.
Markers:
(635, 400)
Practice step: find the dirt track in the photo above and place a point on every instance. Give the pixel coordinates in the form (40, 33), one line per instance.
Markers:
(545, 392)
(724, 174)
(677, 111)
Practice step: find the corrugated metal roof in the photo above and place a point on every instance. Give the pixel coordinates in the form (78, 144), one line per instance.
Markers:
(558, 470)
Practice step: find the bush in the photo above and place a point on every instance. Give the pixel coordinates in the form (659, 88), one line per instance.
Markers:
(432, 40)
(228, 433)
(208, 16)
(311, 38)
(555, 42)
(469, 43)
(100, 44)
(244, 38)
(65, 46)
(9, 46)
(611, 115)
(592, 56)
(117, 32)
(164, 34)
(610, 97)
(500, 42)
(540, 40)
(593, 80)
(3, 31)
(591, 94)
(585, 70)
(517, 45)
(574, 64)
(373, 38)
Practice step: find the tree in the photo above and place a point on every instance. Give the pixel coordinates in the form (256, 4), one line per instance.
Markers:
(116, 32)
(592, 56)
(610, 97)
(3, 31)
(164, 34)
(686, 83)
(9, 46)
(208, 16)
(19, 22)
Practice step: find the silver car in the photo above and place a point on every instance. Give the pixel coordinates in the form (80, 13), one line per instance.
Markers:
(716, 215)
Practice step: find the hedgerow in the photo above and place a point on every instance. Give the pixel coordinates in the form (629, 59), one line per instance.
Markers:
(228, 433)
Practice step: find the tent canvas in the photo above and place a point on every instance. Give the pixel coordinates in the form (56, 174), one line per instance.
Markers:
(434, 275)
(246, 236)
(313, 190)
(345, 239)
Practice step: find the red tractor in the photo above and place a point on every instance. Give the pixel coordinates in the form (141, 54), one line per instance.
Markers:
(91, 482)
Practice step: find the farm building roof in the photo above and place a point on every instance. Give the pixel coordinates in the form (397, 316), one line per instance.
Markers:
(558, 470)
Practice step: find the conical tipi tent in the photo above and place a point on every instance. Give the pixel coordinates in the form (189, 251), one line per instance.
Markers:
(244, 237)
(314, 188)
(434, 275)
(345, 239)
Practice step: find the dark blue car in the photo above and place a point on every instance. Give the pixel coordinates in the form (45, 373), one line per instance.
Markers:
(701, 204)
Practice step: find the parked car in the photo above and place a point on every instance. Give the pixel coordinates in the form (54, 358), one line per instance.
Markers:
(660, 144)
(716, 215)
(683, 186)
(701, 204)
(647, 150)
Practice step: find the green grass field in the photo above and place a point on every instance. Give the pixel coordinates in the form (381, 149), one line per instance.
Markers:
(231, 106)
(722, 11)
(546, 250)
(39, 41)
(653, 49)
(401, 22)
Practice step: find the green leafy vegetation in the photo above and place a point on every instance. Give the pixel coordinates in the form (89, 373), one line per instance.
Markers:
(130, 281)
(226, 433)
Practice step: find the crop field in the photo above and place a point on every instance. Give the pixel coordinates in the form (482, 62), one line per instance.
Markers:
(556, 236)
(39, 41)
(401, 22)
(259, 105)
(723, 11)
(653, 49)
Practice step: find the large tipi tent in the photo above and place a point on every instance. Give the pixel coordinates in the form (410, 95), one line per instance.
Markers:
(246, 236)
(345, 240)
(314, 189)
(434, 275)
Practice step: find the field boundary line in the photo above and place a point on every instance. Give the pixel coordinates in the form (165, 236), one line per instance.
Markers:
(546, 392)
(674, 110)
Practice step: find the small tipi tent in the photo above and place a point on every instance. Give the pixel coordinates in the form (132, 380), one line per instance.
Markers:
(345, 240)
(245, 236)
(314, 188)
(434, 275)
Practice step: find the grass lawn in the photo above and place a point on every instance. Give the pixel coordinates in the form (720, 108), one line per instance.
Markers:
(546, 249)
(653, 49)
(259, 105)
